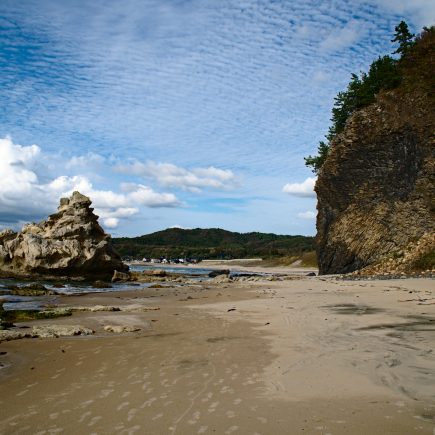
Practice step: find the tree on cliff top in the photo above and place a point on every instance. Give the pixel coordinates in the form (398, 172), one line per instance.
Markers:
(403, 37)
(384, 73)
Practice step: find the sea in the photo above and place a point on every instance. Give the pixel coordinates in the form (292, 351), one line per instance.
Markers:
(12, 302)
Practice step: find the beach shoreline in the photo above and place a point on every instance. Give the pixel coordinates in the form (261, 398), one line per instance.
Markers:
(311, 355)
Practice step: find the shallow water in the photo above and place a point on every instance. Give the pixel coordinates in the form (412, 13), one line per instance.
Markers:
(184, 270)
(12, 302)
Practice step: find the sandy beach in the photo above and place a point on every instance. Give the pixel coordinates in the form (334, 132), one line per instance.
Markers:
(302, 355)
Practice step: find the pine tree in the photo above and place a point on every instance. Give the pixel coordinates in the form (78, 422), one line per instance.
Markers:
(316, 162)
(403, 37)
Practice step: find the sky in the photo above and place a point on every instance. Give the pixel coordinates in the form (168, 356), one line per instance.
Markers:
(182, 113)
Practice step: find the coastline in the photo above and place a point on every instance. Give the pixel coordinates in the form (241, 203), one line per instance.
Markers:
(301, 355)
(237, 265)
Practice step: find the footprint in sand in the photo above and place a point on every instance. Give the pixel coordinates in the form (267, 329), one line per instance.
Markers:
(213, 407)
(131, 414)
(149, 402)
(207, 397)
(84, 416)
(195, 417)
(122, 406)
(95, 420)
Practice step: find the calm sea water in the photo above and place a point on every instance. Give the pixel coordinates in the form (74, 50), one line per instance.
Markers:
(12, 302)
(183, 270)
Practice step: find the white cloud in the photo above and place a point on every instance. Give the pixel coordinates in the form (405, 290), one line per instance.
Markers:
(111, 222)
(343, 37)
(307, 215)
(23, 196)
(170, 175)
(180, 227)
(422, 12)
(302, 190)
(321, 76)
(80, 162)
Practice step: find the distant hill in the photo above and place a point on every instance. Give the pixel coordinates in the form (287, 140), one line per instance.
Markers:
(213, 243)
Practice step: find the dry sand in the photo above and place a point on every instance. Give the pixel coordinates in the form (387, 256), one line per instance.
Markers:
(300, 356)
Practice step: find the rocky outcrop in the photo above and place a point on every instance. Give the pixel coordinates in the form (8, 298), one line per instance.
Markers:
(70, 243)
(45, 331)
(376, 189)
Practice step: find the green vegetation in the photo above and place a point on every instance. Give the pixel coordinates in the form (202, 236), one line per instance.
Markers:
(403, 37)
(425, 262)
(213, 243)
(384, 73)
(9, 317)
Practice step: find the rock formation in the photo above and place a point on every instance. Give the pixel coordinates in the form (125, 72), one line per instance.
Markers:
(376, 189)
(70, 243)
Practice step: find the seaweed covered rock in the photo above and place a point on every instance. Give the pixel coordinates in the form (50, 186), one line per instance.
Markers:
(70, 243)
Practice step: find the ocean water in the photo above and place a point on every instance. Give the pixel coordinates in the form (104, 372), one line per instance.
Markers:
(12, 302)
(183, 270)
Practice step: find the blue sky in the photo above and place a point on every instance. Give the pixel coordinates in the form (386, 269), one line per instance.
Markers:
(178, 113)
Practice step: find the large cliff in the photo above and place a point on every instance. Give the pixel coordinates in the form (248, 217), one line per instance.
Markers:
(376, 189)
(70, 243)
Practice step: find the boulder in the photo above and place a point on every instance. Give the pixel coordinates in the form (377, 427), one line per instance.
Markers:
(54, 331)
(118, 329)
(35, 289)
(120, 276)
(70, 243)
(46, 331)
(215, 273)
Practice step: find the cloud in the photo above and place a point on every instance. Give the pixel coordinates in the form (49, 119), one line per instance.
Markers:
(302, 190)
(170, 175)
(307, 215)
(180, 227)
(421, 11)
(236, 85)
(23, 196)
(343, 37)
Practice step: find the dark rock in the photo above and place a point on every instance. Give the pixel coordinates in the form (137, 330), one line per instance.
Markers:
(101, 284)
(310, 274)
(215, 273)
(34, 289)
(120, 276)
(155, 272)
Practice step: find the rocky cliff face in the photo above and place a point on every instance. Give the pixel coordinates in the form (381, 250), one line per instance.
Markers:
(376, 190)
(69, 243)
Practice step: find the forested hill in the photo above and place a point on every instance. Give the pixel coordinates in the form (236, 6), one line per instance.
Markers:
(212, 243)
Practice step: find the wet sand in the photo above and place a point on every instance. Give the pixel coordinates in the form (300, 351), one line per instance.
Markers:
(300, 356)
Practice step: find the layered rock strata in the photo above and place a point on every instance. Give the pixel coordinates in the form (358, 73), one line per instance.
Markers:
(70, 243)
(376, 190)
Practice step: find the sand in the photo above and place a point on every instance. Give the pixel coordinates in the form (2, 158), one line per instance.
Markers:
(309, 355)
